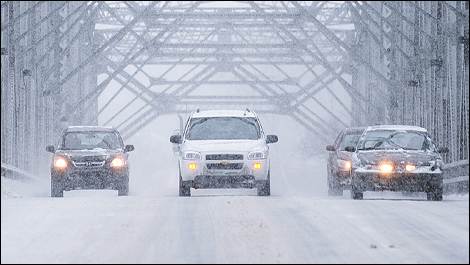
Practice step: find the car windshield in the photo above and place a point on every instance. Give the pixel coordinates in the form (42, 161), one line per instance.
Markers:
(91, 140)
(391, 139)
(350, 139)
(223, 128)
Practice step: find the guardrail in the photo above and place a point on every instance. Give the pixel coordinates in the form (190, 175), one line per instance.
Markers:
(15, 172)
(456, 177)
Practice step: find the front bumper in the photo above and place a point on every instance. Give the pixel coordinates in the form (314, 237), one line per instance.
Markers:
(91, 178)
(218, 171)
(397, 181)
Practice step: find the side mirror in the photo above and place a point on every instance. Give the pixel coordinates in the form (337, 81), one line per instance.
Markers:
(443, 150)
(350, 148)
(271, 139)
(129, 147)
(330, 148)
(50, 148)
(176, 139)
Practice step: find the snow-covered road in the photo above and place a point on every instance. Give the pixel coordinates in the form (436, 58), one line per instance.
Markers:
(233, 227)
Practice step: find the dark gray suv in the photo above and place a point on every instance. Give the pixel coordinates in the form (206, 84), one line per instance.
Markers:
(90, 157)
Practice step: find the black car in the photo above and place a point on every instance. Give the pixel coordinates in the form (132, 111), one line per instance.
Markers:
(396, 158)
(90, 157)
(339, 164)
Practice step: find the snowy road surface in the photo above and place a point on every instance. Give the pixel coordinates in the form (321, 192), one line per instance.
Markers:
(233, 227)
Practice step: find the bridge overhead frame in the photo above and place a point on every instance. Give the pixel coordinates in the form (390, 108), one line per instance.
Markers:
(328, 65)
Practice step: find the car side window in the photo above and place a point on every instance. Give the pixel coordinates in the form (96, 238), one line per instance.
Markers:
(338, 139)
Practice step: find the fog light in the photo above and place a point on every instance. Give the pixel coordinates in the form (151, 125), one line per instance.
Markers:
(257, 165)
(410, 167)
(192, 166)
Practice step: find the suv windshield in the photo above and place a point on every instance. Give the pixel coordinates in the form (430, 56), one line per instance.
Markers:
(90, 140)
(388, 139)
(223, 128)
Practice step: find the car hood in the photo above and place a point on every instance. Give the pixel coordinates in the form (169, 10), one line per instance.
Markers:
(344, 155)
(406, 156)
(95, 152)
(224, 145)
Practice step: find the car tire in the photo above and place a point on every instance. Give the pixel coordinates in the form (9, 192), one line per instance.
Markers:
(57, 190)
(264, 189)
(434, 194)
(124, 189)
(355, 193)
(334, 189)
(185, 188)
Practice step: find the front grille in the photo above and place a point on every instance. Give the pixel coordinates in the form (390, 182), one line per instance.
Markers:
(229, 166)
(89, 164)
(224, 157)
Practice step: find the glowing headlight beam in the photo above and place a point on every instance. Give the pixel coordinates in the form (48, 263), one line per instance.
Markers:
(117, 162)
(410, 167)
(385, 168)
(60, 163)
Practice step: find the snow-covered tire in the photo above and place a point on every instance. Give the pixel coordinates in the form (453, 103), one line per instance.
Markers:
(355, 193)
(56, 189)
(264, 189)
(435, 194)
(123, 188)
(184, 188)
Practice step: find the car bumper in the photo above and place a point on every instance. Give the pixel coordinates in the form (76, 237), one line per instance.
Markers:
(413, 182)
(239, 171)
(91, 179)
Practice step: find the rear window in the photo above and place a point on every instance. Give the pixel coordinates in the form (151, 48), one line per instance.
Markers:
(223, 128)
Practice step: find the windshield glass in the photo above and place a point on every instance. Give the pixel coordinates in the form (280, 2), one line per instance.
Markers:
(223, 128)
(390, 139)
(90, 140)
(350, 139)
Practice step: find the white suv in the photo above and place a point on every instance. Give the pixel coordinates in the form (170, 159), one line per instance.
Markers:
(223, 149)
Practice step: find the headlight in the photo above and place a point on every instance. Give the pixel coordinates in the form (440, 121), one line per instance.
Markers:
(257, 155)
(344, 164)
(60, 162)
(117, 162)
(190, 155)
(386, 168)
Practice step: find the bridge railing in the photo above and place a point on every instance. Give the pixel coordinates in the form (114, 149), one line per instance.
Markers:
(13, 172)
(456, 177)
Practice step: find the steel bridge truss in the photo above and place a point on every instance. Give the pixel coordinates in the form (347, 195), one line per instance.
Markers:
(328, 65)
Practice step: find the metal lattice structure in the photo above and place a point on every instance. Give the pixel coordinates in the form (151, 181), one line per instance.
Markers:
(327, 65)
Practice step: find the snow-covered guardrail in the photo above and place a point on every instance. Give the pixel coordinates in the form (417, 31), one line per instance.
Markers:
(456, 177)
(20, 172)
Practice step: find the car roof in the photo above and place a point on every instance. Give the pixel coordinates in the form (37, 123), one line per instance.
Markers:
(90, 128)
(396, 128)
(355, 129)
(223, 113)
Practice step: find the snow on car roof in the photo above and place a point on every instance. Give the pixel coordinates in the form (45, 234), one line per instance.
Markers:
(397, 128)
(90, 128)
(223, 113)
